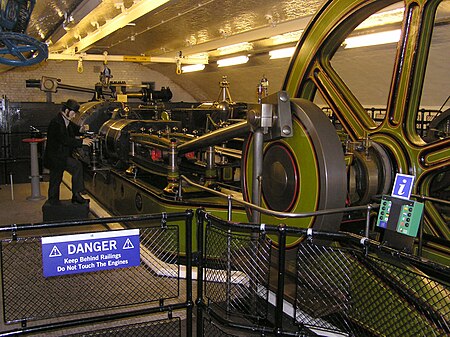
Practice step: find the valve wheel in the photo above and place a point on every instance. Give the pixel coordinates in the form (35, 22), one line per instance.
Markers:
(18, 49)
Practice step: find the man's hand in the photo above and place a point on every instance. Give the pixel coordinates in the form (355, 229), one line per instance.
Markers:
(87, 141)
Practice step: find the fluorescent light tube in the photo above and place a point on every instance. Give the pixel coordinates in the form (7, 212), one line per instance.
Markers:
(192, 67)
(232, 61)
(281, 53)
(390, 36)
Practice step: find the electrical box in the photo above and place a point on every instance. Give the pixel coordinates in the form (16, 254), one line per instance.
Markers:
(400, 215)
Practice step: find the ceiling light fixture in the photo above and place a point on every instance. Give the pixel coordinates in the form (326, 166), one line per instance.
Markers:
(383, 18)
(120, 5)
(193, 67)
(281, 53)
(391, 36)
(231, 61)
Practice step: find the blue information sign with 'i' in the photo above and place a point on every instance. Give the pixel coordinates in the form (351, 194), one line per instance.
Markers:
(81, 253)
(403, 186)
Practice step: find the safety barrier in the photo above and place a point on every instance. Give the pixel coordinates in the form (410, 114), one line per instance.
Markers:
(15, 156)
(424, 117)
(335, 284)
(88, 289)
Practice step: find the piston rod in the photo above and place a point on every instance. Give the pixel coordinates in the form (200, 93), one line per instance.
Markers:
(215, 137)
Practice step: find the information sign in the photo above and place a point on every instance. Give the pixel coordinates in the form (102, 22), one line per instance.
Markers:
(80, 253)
(403, 186)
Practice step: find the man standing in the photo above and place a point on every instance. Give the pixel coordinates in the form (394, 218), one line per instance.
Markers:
(63, 136)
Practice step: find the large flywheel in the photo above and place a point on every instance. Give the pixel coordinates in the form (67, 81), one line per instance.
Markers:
(311, 72)
(303, 173)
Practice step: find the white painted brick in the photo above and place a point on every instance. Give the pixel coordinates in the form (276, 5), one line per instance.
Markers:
(13, 86)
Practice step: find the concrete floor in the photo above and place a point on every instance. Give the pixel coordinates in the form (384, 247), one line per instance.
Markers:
(15, 208)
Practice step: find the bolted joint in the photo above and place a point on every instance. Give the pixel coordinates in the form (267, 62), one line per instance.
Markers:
(281, 227)
(261, 116)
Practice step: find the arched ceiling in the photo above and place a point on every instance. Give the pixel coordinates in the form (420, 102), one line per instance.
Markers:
(189, 26)
(186, 31)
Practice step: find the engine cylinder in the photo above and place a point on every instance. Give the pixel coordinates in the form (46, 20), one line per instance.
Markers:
(95, 114)
(116, 136)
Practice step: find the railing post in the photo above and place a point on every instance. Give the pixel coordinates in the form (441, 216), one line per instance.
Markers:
(258, 140)
(281, 275)
(367, 230)
(230, 208)
(228, 279)
(200, 250)
(420, 243)
(180, 189)
(190, 304)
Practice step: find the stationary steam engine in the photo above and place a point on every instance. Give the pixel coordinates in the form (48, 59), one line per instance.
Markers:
(144, 159)
(284, 153)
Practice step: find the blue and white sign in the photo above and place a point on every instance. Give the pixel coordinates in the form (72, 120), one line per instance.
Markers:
(403, 186)
(81, 253)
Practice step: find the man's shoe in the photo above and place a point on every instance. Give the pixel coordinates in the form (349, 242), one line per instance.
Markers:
(54, 202)
(78, 199)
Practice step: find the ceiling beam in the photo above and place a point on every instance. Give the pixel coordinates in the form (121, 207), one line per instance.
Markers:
(126, 58)
(249, 36)
(127, 16)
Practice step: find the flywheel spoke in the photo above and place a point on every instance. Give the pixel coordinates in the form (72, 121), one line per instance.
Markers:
(314, 74)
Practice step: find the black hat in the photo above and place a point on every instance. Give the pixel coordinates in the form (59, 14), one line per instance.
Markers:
(71, 104)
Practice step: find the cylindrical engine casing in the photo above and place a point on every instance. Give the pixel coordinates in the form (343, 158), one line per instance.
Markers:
(116, 136)
(95, 114)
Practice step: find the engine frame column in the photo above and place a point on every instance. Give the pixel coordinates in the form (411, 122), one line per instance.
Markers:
(173, 174)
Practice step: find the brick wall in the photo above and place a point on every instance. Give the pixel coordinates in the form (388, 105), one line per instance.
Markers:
(12, 82)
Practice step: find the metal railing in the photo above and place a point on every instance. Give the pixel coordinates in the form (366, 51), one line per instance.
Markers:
(15, 154)
(41, 304)
(344, 284)
(247, 282)
(424, 116)
(367, 208)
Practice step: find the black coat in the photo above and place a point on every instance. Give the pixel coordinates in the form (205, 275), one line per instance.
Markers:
(61, 142)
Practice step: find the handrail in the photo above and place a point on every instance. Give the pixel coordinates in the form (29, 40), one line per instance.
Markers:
(277, 213)
(425, 198)
(81, 222)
